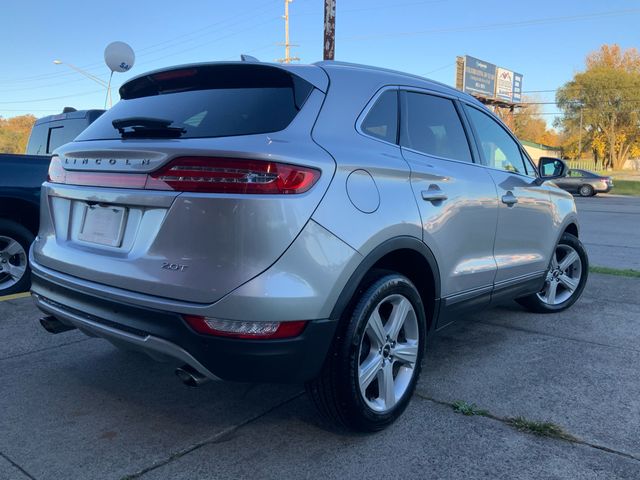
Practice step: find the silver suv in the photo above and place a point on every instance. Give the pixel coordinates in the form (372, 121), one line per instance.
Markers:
(299, 223)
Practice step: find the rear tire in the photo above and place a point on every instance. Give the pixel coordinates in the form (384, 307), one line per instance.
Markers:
(15, 275)
(586, 191)
(565, 279)
(373, 365)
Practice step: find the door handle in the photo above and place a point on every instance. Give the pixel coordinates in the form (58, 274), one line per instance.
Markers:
(509, 199)
(433, 194)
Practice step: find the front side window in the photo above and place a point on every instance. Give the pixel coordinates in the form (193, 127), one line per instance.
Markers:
(431, 125)
(382, 120)
(499, 149)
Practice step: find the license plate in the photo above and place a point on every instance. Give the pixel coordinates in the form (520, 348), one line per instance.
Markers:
(103, 225)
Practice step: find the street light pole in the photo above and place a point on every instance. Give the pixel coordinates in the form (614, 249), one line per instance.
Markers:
(90, 77)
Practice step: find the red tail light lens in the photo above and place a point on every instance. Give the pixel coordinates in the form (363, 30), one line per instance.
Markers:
(245, 330)
(231, 175)
(201, 174)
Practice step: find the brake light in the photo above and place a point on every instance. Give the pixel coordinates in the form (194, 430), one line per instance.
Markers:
(245, 330)
(200, 174)
(232, 175)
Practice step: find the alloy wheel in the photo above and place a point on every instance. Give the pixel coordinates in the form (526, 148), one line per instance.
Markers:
(13, 262)
(563, 276)
(388, 353)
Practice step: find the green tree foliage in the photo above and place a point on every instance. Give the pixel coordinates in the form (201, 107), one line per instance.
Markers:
(14, 133)
(607, 97)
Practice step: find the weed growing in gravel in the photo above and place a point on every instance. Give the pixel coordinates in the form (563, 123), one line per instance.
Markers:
(543, 429)
(621, 272)
(460, 406)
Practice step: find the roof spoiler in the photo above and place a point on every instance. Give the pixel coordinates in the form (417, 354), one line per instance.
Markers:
(248, 58)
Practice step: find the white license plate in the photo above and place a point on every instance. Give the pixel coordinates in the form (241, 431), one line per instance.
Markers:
(103, 225)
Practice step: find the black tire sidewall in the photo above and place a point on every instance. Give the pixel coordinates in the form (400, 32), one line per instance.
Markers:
(589, 191)
(363, 416)
(573, 242)
(24, 237)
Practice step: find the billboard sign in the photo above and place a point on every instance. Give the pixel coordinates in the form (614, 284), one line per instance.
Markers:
(479, 77)
(484, 79)
(517, 87)
(504, 84)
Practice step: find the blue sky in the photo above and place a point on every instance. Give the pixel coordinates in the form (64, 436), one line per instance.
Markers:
(544, 40)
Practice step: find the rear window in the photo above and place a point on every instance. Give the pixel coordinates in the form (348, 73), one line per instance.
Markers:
(46, 137)
(209, 101)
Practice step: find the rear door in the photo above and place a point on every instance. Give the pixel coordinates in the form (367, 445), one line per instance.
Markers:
(526, 230)
(456, 197)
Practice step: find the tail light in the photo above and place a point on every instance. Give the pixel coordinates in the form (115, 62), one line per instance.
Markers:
(245, 330)
(200, 174)
(231, 175)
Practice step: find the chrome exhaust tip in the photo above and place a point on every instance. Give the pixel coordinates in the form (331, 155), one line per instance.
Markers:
(190, 376)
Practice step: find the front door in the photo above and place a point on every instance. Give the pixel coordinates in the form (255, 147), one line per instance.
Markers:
(526, 230)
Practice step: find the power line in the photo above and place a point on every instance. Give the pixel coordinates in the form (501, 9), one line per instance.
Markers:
(172, 42)
(54, 98)
(492, 26)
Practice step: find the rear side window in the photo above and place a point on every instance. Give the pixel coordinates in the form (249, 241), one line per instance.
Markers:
(209, 101)
(382, 120)
(431, 125)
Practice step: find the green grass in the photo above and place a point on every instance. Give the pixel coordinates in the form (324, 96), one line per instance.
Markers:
(543, 429)
(626, 272)
(460, 406)
(626, 187)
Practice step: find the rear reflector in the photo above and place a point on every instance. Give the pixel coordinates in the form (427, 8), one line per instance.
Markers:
(246, 330)
(201, 174)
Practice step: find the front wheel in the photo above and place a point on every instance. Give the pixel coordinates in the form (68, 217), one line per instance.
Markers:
(374, 363)
(565, 279)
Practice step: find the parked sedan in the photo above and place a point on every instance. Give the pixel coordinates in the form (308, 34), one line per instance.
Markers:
(585, 183)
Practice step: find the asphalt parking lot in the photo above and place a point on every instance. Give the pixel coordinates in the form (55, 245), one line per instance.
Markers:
(75, 407)
(610, 229)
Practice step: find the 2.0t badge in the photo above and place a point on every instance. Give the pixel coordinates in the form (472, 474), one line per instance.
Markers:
(176, 267)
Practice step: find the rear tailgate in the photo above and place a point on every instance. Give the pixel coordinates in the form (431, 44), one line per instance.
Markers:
(105, 222)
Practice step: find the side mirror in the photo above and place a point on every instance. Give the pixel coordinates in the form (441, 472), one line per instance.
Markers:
(551, 168)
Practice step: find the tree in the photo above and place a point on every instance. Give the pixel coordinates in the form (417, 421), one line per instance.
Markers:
(607, 97)
(14, 133)
(527, 122)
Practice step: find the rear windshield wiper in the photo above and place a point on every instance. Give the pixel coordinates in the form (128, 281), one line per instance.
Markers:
(147, 127)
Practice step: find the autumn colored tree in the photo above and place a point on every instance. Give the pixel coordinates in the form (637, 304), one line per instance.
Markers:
(528, 124)
(605, 101)
(14, 133)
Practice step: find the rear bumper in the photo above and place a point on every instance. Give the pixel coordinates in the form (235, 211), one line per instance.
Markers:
(163, 334)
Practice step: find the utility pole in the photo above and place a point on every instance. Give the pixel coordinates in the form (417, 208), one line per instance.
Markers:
(329, 29)
(287, 56)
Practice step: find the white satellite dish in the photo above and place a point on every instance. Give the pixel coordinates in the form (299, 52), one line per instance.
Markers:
(119, 57)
